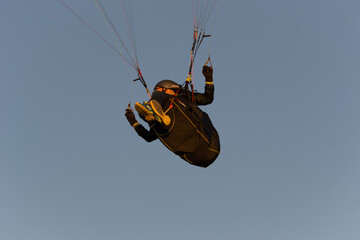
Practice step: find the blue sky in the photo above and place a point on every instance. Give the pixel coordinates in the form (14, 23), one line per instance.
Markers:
(286, 107)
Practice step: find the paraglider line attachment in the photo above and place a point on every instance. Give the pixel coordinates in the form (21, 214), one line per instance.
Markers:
(129, 106)
(208, 61)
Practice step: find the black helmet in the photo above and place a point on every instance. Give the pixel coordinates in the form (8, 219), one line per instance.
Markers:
(167, 84)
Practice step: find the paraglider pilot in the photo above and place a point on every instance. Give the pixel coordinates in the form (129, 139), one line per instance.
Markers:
(174, 117)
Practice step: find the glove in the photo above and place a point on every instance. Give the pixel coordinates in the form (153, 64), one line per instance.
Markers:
(130, 117)
(208, 73)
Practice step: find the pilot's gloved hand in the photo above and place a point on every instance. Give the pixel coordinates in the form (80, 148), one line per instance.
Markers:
(129, 114)
(208, 73)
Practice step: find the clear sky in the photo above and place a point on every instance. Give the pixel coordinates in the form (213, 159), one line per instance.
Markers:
(287, 79)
